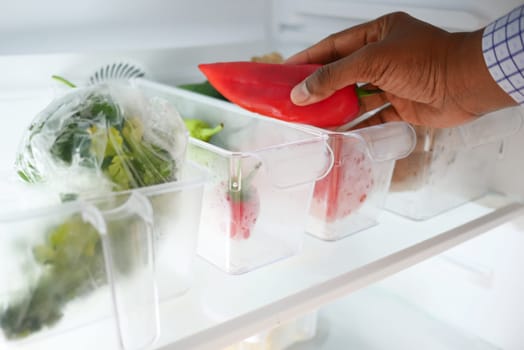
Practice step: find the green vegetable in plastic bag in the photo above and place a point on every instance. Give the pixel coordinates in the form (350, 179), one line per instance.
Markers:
(108, 137)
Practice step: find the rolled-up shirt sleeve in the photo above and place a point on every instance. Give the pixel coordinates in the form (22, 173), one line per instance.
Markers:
(503, 49)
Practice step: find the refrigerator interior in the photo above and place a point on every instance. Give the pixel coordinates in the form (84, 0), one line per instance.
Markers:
(473, 288)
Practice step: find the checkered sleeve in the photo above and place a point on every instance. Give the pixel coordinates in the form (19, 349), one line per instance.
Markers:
(503, 48)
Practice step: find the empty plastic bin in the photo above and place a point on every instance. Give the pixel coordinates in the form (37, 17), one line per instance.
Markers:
(450, 166)
(350, 198)
(255, 208)
(68, 266)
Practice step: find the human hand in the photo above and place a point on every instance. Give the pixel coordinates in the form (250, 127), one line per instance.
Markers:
(431, 77)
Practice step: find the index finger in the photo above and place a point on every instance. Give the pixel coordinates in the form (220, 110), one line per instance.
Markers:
(338, 45)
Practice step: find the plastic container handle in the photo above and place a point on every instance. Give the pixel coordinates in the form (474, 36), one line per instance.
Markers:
(388, 141)
(297, 164)
(135, 298)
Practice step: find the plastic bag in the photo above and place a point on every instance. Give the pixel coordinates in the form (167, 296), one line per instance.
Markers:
(107, 137)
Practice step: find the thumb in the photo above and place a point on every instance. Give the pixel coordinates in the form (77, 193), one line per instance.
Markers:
(361, 66)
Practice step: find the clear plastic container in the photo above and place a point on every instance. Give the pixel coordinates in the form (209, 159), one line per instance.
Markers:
(176, 208)
(255, 208)
(281, 337)
(68, 265)
(350, 198)
(450, 166)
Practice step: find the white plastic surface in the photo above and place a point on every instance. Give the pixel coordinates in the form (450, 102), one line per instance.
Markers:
(475, 287)
(363, 321)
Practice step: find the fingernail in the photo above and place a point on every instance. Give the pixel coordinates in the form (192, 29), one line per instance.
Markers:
(300, 94)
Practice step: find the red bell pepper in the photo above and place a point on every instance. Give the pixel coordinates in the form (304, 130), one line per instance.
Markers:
(265, 88)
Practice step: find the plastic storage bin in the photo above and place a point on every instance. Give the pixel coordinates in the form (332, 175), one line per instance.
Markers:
(281, 337)
(255, 208)
(176, 209)
(65, 266)
(351, 196)
(450, 166)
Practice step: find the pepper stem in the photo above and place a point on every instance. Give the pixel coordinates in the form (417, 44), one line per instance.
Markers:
(361, 92)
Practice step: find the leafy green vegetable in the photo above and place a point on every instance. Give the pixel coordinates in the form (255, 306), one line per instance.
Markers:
(72, 262)
(106, 109)
(73, 140)
(118, 172)
(97, 134)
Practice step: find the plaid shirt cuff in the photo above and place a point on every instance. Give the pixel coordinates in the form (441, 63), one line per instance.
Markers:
(503, 48)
